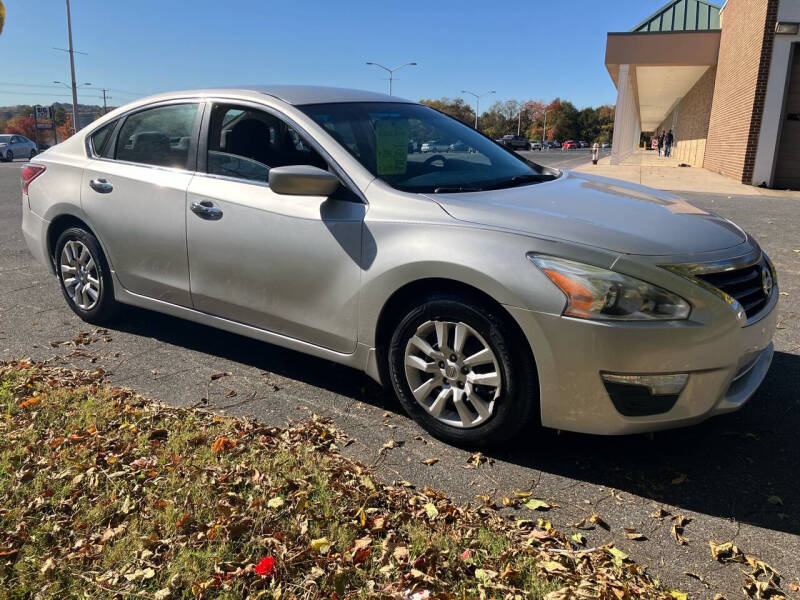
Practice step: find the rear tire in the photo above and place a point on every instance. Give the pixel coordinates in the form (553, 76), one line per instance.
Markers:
(84, 276)
(33, 153)
(458, 371)
(9, 156)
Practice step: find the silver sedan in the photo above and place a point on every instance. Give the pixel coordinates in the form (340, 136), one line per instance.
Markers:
(489, 292)
(13, 145)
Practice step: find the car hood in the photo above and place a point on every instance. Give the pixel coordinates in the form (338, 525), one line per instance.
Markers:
(598, 211)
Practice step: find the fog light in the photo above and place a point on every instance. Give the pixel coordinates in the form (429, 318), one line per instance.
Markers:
(657, 384)
(643, 395)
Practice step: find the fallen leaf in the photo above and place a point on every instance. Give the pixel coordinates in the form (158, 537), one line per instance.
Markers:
(726, 552)
(776, 500)
(634, 535)
(430, 461)
(275, 502)
(578, 538)
(534, 504)
(48, 567)
(222, 444)
(552, 567)
(595, 518)
(29, 401)
(321, 545)
(619, 555)
(215, 376)
(431, 510)
(485, 574)
(680, 479)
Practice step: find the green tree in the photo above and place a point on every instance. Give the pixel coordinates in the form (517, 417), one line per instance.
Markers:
(456, 108)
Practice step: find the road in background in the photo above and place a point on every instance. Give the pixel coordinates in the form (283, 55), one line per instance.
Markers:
(734, 476)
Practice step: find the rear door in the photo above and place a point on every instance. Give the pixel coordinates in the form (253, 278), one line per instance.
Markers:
(134, 193)
(286, 264)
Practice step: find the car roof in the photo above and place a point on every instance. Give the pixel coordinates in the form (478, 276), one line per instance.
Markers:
(298, 95)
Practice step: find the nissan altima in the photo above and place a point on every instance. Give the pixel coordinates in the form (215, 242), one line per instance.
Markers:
(489, 292)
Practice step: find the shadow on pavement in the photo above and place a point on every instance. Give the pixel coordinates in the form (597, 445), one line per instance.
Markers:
(734, 466)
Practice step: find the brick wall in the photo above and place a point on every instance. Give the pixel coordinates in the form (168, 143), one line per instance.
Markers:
(748, 28)
(689, 121)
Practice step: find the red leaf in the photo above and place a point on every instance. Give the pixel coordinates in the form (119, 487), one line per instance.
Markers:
(265, 567)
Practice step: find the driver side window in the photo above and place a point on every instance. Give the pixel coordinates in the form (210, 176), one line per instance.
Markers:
(246, 143)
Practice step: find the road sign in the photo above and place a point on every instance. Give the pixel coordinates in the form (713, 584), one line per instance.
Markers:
(46, 124)
(43, 112)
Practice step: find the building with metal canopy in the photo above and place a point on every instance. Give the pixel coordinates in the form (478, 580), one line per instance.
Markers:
(725, 80)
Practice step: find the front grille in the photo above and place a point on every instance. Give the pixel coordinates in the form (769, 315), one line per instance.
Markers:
(744, 284)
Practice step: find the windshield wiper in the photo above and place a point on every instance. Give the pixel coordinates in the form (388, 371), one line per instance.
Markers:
(454, 189)
(520, 180)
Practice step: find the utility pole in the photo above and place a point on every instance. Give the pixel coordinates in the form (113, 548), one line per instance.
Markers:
(105, 108)
(477, 102)
(72, 73)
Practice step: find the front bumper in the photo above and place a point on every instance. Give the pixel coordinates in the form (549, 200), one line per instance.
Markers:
(725, 361)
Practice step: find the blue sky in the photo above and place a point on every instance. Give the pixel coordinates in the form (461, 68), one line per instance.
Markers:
(523, 50)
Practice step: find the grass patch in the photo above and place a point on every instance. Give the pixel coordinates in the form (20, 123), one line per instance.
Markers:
(104, 493)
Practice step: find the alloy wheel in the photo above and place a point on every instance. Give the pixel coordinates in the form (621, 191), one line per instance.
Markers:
(453, 373)
(80, 275)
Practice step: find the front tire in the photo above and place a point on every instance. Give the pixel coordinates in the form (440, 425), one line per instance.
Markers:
(84, 276)
(9, 156)
(458, 371)
(33, 154)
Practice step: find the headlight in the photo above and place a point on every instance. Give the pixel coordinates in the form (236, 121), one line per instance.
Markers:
(595, 293)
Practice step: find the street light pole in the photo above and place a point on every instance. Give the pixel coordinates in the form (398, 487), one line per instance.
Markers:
(391, 71)
(544, 127)
(72, 73)
(477, 102)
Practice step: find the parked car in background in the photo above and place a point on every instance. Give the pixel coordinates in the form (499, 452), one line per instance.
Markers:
(583, 144)
(606, 145)
(452, 280)
(434, 146)
(570, 145)
(459, 146)
(515, 142)
(14, 145)
(551, 145)
(536, 146)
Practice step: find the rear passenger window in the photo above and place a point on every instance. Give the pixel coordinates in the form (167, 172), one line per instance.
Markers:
(158, 136)
(100, 137)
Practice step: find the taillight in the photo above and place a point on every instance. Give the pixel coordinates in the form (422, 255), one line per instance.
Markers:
(30, 171)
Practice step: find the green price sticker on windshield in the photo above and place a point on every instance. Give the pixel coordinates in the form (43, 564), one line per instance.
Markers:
(392, 142)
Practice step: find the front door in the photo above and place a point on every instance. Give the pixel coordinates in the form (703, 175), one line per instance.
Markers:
(135, 199)
(286, 264)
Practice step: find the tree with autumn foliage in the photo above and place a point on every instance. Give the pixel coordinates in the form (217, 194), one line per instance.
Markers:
(65, 130)
(22, 126)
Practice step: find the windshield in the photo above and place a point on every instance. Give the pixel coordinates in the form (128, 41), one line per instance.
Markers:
(4, 139)
(417, 149)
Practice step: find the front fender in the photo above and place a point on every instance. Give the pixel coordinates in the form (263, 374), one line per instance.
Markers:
(492, 261)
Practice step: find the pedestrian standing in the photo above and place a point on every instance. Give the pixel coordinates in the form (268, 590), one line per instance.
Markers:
(595, 152)
(668, 143)
(660, 142)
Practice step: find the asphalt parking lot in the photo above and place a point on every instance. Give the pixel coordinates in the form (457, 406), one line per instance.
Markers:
(733, 477)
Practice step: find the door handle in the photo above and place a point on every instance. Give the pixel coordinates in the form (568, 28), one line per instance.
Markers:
(206, 210)
(101, 185)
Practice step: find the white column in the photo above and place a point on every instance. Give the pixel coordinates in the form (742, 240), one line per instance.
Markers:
(627, 125)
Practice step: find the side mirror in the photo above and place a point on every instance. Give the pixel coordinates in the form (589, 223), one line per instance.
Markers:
(302, 180)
